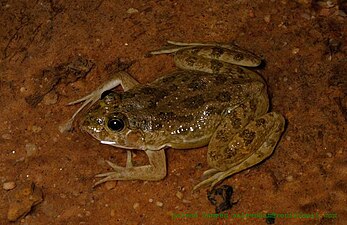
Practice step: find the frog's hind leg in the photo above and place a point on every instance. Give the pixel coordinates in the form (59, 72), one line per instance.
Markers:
(156, 170)
(247, 148)
(121, 78)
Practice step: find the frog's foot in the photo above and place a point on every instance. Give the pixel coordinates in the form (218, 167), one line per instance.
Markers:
(156, 170)
(207, 53)
(252, 145)
(121, 78)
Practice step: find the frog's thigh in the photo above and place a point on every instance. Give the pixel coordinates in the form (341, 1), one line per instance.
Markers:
(250, 146)
(156, 170)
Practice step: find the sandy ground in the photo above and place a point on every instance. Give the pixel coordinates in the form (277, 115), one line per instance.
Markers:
(53, 52)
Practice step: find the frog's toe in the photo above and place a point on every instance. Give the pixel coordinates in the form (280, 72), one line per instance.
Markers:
(107, 177)
(209, 181)
(115, 166)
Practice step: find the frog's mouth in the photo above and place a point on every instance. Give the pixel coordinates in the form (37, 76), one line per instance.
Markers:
(114, 144)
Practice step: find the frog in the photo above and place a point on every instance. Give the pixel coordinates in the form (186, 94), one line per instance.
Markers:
(213, 99)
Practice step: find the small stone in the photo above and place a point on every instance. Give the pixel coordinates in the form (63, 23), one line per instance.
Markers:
(267, 18)
(51, 98)
(179, 195)
(295, 51)
(186, 201)
(132, 10)
(159, 204)
(290, 178)
(36, 129)
(136, 205)
(150, 200)
(9, 185)
(6, 136)
(31, 149)
(110, 185)
(329, 154)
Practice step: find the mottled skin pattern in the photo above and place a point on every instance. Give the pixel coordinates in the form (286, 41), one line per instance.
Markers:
(209, 101)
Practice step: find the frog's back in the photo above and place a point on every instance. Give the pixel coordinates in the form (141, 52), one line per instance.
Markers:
(186, 105)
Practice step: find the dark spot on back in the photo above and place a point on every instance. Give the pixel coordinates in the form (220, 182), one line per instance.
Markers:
(125, 95)
(238, 57)
(167, 115)
(212, 110)
(230, 152)
(193, 102)
(160, 94)
(223, 96)
(236, 123)
(217, 52)
(185, 119)
(148, 90)
(221, 79)
(216, 65)
(172, 87)
(220, 135)
(152, 103)
(260, 122)
(197, 85)
(253, 104)
(191, 60)
(248, 136)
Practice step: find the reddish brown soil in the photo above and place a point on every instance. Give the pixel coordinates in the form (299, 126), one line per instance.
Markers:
(303, 43)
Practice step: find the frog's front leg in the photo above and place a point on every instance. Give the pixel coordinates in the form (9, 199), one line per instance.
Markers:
(250, 146)
(121, 78)
(156, 170)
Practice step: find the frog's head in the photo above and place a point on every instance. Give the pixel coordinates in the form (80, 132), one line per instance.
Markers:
(105, 122)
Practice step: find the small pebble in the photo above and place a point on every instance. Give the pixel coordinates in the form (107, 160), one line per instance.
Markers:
(186, 201)
(159, 204)
(329, 154)
(6, 136)
(132, 10)
(136, 205)
(110, 185)
(179, 194)
(150, 200)
(36, 129)
(290, 178)
(31, 149)
(9, 185)
(295, 50)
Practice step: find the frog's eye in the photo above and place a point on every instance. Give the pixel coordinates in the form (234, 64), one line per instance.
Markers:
(115, 124)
